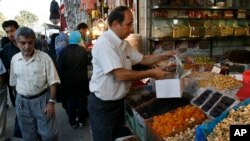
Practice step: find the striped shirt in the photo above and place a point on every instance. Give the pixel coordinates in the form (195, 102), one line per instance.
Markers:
(33, 76)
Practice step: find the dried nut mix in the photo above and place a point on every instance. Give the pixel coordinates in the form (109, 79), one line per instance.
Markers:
(220, 82)
(187, 135)
(235, 117)
(178, 120)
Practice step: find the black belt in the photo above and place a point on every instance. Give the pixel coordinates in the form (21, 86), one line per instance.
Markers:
(34, 96)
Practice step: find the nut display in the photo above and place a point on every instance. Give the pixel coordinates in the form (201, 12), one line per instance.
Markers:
(220, 82)
(202, 60)
(235, 117)
(187, 135)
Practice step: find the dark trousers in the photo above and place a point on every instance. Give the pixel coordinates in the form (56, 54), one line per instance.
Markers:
(106, 119)
(76, 108)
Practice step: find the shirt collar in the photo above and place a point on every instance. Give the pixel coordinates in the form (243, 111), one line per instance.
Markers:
(116, 40)
(34, 57)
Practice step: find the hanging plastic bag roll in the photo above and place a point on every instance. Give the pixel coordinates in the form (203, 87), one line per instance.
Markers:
(179, 66)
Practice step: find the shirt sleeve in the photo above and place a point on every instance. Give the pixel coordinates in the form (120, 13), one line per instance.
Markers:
(12, 74)
(134, 54)
(108, 57)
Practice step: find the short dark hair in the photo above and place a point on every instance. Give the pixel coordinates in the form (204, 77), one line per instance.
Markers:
(10, 23)
(26, 32)
(82, 25)
(117, 15)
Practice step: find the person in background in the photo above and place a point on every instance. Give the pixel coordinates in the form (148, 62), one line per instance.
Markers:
(32, 73)
(72, 69)
(86, 43)
(54, 12)
(9, 50)
(52, 50)
(44, 44)
(4, 40)
(83, 28)
(61, 41)
(112, 60)
(3, 102)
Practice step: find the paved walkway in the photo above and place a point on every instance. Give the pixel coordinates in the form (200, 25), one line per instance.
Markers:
(66, 132)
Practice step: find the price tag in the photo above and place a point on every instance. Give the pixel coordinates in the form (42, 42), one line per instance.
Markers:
(216, 69)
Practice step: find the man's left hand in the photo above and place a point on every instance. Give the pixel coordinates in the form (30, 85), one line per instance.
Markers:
(50, 110)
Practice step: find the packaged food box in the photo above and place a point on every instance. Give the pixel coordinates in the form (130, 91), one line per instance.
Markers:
(180, 31)
(197, 31)
(226, 31)
(240, 31)
(197, 28)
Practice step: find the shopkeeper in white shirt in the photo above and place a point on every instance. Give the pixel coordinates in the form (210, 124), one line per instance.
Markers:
(112, 61)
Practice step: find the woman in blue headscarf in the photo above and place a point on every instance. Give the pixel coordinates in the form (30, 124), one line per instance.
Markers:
(72, 69)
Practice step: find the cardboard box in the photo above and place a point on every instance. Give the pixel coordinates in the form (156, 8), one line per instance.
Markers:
(169, 88)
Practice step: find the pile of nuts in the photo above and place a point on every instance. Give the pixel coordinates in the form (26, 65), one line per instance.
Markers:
(220, 82)
(235, 117)
(187, 135)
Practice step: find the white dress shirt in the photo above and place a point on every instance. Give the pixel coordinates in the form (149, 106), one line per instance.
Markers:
(109, 53)
(33, 76)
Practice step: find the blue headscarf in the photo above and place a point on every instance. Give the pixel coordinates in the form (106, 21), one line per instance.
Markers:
(74, 37)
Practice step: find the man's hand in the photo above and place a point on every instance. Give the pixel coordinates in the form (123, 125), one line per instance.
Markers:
(50, 110)
(158, 73)
(168, 54)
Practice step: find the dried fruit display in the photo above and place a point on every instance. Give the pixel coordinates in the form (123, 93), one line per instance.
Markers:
(221, 106)
(220, 82)
(209, 104)
(235, 117)
(177, 121)
(160, 106)
(137, 96)
(202, 98)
